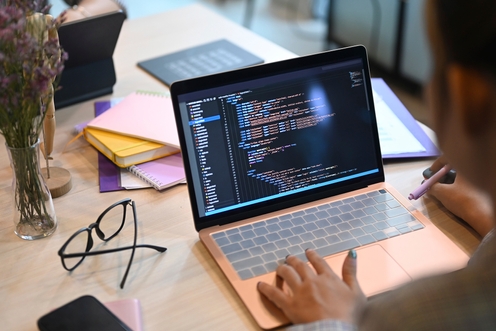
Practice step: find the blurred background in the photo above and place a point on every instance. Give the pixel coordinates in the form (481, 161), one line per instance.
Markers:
(392, 30)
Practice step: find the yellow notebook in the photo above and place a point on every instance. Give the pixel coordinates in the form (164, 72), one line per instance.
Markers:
(125, 151)
(143, 115)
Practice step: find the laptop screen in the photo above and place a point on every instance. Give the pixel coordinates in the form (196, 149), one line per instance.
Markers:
(278, 134)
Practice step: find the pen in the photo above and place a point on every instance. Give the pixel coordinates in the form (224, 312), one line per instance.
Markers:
(426, 185)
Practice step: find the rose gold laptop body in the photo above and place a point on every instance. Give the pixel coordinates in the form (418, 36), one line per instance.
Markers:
(383, 265)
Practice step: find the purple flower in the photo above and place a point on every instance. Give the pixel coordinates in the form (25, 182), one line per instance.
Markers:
(29, 65)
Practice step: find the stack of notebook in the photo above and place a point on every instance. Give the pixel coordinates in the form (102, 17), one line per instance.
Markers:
(140, 128)
(136, 135)
(159, 174)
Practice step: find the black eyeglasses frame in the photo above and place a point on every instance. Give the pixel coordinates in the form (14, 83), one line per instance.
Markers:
(125, 202)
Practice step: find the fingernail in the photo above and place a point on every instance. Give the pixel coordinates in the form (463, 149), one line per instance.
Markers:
(352, 253)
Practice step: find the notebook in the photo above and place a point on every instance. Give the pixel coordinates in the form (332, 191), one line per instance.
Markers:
(129, 311)
(110, 176)
(286, 156)
(144, 115)
(126, 151)
(162, 173)
(209, 58)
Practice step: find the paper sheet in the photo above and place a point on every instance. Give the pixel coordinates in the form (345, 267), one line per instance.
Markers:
(131, 182)
(394, 136)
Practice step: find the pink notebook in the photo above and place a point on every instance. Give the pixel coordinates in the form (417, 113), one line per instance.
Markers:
(128, 311)
(161, 173)
(144, 115)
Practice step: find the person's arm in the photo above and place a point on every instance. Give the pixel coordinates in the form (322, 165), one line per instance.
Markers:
(324, 325)
(463, 200)
(87, 8)
(317, 294)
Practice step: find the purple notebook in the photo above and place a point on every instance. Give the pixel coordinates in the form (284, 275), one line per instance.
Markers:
(109, 174)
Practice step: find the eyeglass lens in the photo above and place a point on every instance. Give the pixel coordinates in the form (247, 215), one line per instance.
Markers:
(78, 244)
(110, 223)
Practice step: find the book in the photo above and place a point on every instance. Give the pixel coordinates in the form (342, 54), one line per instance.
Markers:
(125, 151)
(111, 177)
(100, 108)
(400, 134)
(206, 59)
(144, 115)
(161, 173)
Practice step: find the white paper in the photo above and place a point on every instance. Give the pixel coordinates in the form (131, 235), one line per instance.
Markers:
(394, 136)
(132, 182)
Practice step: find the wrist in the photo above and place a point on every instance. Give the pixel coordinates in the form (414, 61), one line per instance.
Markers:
(81, 10)
(482, 218)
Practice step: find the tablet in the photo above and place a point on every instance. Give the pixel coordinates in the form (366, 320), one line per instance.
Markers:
(89, 71)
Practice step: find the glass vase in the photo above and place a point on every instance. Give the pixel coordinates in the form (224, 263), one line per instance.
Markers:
(34, 215)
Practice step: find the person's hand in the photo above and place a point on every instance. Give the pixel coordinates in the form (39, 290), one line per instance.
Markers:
(463, 200)
(80, 9)
(317, 295)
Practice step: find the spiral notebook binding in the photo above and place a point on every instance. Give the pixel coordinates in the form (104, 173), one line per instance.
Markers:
(146, 177)
(156, 94)
(161, 173)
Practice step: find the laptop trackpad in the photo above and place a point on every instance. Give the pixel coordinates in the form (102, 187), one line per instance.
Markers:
(377, 271)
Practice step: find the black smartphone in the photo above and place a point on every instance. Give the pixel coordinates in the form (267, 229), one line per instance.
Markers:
(83, 314)
(449, 178)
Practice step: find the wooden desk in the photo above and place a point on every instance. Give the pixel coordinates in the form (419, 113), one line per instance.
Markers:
(181, 289)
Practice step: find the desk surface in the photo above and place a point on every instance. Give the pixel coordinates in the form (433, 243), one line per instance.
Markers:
(181, 289)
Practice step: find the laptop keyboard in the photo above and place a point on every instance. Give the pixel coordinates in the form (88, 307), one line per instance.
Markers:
(258, 248)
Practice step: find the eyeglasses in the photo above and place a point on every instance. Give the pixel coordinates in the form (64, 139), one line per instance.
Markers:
(107, 226)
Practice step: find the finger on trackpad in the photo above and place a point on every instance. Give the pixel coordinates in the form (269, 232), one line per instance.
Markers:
(377, 270)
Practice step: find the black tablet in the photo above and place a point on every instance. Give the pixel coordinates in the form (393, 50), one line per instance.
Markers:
(90, 43)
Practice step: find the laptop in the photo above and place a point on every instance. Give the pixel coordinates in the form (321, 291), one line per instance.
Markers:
(285, 156)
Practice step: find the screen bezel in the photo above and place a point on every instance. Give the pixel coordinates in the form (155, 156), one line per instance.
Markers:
(259, 71)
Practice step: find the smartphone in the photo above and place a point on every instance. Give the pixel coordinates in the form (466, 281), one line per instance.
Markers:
(83, 314)
(449, 178)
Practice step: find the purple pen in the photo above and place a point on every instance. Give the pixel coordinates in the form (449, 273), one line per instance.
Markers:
(426, 185)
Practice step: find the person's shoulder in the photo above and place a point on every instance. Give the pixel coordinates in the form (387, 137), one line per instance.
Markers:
(458, 300)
